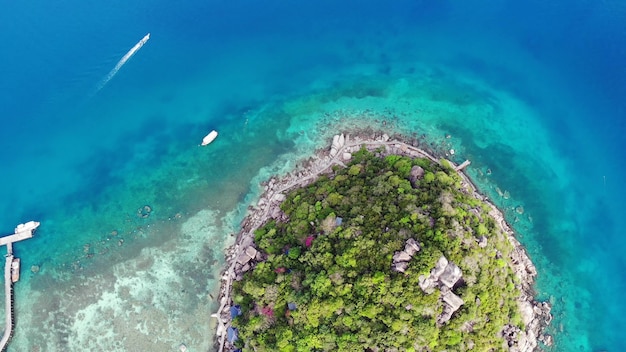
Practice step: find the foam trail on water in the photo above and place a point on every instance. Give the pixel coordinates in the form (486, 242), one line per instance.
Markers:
(122, 61)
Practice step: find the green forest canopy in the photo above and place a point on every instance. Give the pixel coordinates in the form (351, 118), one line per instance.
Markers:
(337, 278)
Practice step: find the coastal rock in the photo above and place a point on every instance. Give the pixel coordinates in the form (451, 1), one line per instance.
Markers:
(346, 156)
(245, 268)
(221, 329)
(510, 334)
(523, 265)
(279, 197)
(526, 310)
(546, 340)
(276, 213)
(337, 144)
(144, 212)
(246, 242)
(251, 252)
(544, 313)
(246, 256)
(535, 316)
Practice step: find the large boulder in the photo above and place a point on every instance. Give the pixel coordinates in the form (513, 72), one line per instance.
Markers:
(400, 266)
(279, 197)
(243, 259)
(452, 303)
(450, 275)
(247, 255)
(427, 284)
(415, 175)
(401, 256)
(251, 252)
(439, 268)
(455, 302)
(411, 246)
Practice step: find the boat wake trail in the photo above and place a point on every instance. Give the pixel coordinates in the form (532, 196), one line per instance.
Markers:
(121, 63)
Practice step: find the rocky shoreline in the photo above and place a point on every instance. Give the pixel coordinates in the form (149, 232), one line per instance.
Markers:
(242, 255)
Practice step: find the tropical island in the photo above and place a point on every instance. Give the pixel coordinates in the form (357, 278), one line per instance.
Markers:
(376, 245)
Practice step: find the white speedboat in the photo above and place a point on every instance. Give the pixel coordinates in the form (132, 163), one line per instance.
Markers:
(209, 137)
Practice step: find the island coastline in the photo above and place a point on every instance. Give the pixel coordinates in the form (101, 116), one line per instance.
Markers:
(241, 255)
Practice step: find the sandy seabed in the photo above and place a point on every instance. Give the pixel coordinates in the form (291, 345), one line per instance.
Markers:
(154, 302)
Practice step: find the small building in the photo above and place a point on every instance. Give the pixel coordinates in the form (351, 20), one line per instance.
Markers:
(235, 311)
(232, 334)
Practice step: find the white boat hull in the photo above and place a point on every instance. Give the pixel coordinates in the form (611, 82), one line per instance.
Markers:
(209, 137)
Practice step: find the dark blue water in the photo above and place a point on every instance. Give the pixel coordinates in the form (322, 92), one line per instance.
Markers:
(533, 91)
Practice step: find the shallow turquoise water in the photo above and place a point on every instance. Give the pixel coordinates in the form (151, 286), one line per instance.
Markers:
(529, 92)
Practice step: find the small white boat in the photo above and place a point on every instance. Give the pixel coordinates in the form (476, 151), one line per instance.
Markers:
(209, 137)
(29, 226)
(15, 270)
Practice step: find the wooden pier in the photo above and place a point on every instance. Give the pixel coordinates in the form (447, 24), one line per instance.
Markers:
(462, 166)
(11, 275)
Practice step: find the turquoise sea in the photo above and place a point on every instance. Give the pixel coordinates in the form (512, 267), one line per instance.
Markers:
(532, 92)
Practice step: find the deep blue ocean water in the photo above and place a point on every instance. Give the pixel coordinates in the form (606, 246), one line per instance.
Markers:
(532, 91)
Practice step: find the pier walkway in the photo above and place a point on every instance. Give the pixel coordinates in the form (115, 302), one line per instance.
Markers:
(11, 274)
